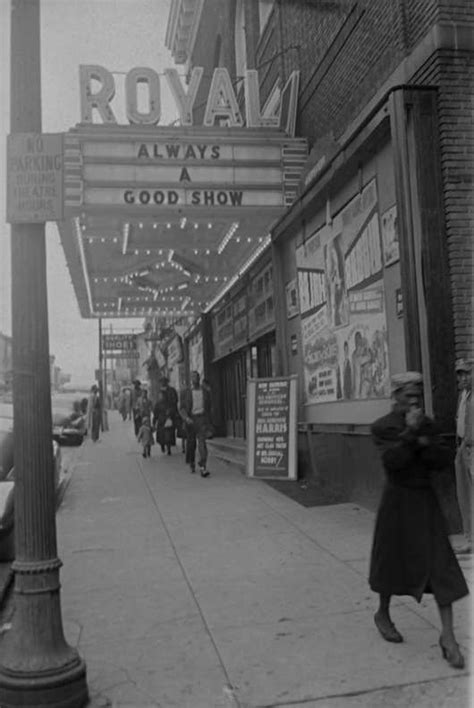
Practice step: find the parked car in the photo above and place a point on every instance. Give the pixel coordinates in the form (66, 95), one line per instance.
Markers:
(69, 427)
(7, 485)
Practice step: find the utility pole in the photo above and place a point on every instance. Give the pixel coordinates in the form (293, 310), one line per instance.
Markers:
(37, 666)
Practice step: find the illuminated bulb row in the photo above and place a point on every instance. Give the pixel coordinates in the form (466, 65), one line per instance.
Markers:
(105, 279)
(209, 278)
(230, 232)
(263, 245)
(101, 239)
(158, 311)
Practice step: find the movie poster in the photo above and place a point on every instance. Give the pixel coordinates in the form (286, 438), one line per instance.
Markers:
(343, 322)
(391, 247)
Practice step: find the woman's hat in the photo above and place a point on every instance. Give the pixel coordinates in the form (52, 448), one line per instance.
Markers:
(464, 364)
(407, 378)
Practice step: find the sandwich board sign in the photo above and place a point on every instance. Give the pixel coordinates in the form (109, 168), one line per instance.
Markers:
(271, 428)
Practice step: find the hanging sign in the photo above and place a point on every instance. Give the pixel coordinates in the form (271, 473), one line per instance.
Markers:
(34, 178)
(120, 342)
(123, 355)
(271, 430)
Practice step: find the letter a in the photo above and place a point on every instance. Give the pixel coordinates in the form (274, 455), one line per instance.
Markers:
(252, 104)
(222, 102)
(184, 175)
(184, 101)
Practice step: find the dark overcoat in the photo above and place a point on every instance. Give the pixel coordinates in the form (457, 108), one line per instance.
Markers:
(411, 552)
(166, 407)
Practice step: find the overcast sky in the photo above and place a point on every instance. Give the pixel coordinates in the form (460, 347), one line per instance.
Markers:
(119, 35)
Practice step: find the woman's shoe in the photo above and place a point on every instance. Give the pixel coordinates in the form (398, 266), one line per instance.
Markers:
(452, 655)
(388, 630)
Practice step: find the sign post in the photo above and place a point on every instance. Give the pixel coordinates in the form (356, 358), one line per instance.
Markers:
(271, 428)
(37, 666)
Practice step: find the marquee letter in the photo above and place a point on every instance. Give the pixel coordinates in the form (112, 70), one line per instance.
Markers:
(252, 104)
(222, 102)
(184, 101)
(101, 99)
(184, 175)
(143, 75)
(289, 104)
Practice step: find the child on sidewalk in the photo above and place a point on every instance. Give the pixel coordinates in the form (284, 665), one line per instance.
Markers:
(145, 437)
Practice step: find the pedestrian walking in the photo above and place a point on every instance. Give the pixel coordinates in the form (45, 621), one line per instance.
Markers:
(94, 414)
(145, 405)
(136, 409)
(145, 436)
(195, 410)
(411, 553)
(464, 461)
(165, 415)
(124, 403)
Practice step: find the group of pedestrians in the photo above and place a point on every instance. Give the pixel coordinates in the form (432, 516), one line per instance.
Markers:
(187, 417)
(412, 553)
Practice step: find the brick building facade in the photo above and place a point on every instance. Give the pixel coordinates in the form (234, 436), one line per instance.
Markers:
(385, 101)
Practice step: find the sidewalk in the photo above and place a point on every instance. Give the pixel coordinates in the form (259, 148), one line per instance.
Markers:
(186, 592)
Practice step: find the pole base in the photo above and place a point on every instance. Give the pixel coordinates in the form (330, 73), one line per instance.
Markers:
(64, 688)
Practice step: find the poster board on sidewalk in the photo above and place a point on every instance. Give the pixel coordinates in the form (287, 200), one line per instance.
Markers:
(271, 428)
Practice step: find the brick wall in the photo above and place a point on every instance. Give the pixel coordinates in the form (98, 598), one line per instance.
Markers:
(456, 10)
(418, 17)
(345, 55)
(453, 72)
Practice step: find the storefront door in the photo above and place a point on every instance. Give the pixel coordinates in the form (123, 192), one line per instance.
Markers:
(266, 353)
(234, 386)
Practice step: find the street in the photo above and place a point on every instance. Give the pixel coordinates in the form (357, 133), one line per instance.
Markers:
(209, 593)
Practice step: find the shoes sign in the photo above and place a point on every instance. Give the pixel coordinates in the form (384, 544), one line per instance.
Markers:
(119, 342)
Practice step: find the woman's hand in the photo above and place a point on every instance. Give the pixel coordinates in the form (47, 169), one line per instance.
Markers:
(413, 418)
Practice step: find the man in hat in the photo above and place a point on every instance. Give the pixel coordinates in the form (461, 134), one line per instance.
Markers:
(136, 405)
(464, 441)
(195, 410)
(411, 553)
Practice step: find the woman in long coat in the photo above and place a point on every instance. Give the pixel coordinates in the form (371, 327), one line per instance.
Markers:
(411, 552)
(165, 414)
(93, 414)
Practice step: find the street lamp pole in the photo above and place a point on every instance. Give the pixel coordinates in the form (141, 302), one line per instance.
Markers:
(37, 666)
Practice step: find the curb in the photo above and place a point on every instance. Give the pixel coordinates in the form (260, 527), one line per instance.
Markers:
(6, 572)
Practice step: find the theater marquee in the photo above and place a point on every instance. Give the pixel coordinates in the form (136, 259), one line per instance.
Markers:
(171, 169)
(160, 218)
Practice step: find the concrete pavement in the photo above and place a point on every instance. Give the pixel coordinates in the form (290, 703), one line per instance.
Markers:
(186, 592)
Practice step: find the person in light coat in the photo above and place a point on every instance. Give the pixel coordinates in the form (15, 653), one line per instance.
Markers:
(464, 460)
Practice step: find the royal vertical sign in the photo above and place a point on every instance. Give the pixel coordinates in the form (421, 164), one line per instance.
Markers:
(271, 433)
(34, 177)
